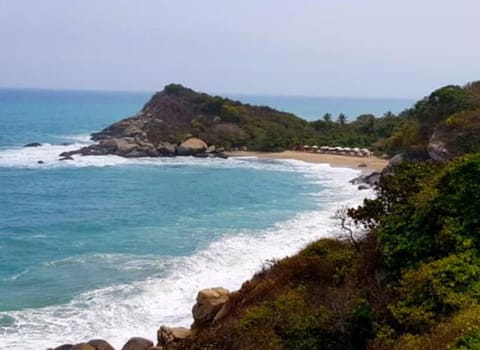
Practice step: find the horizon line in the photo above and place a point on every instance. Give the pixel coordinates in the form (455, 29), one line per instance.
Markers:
(224, 94)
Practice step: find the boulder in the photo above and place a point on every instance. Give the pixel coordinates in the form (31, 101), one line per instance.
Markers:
(202, 155)
(136, 153)
(166, 149)
(124, 146)
(191, 147)
(109, 144)
(209, 303)
(210, 149)
(33, 144)
(137, 343)
(362, 165)
(396, 160)
(221, 155)
(437, 148)
(101, 344)
(66, 157)
(83, 346)
(364, 187)
(169, 337)
(40, 162)
(371, 179)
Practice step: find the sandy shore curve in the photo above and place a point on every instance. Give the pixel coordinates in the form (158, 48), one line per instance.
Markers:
(371, 163)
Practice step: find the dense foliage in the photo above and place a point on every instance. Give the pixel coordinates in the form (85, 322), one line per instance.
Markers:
(232, 124)
(451, 110)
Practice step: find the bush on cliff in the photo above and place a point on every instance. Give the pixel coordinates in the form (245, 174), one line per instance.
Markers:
(418, 123)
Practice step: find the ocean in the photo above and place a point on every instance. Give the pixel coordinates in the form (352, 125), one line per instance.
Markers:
(108, 247)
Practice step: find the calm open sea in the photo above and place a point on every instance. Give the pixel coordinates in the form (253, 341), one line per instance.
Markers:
(111, 247)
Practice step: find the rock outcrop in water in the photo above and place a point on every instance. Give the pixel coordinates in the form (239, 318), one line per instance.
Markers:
(180, 121)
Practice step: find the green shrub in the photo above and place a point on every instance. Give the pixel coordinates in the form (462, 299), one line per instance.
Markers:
(437, 289)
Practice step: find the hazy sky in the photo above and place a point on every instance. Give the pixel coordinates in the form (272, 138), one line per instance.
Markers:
(396, 48)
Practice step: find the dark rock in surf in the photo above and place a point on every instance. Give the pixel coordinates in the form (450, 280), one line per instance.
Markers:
(101, 344)
(33, 144)
(138, 344)
(83, 346)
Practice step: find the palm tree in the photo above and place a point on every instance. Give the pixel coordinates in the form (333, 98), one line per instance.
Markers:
(389, 114)
(327, 117)
(342, 119)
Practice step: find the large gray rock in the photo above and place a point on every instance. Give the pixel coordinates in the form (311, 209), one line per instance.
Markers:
(168, 337)
(124, 146)
(166, 149)
(437, 148)
(138, 344)
(371, 179)
(191, 147)
(209, 303)
(210, 149)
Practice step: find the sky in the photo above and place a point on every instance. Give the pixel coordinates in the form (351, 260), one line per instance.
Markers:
(357, 48)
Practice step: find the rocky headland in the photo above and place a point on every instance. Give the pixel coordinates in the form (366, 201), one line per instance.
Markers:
(181, 122)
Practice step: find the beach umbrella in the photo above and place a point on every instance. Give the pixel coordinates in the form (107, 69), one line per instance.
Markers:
(315, 147)
(347, 149)
(365, 150)
(356, 149)
(306, 146)
(324, 148)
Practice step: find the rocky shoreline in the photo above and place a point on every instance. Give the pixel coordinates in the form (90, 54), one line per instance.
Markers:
(134, 147)
(211, 307)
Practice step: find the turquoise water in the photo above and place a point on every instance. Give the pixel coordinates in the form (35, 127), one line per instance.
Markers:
(112, 247)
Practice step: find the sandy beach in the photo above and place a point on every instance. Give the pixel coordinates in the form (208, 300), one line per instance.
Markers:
(372, 163)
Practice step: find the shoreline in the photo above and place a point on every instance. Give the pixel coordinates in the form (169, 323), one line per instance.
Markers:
(338, 161)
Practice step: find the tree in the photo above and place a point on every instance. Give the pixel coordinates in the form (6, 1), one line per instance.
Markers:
(389, 114)
(327, 117)
(342, 119)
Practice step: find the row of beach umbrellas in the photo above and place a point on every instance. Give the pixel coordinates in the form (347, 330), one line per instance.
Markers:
(339, 149)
